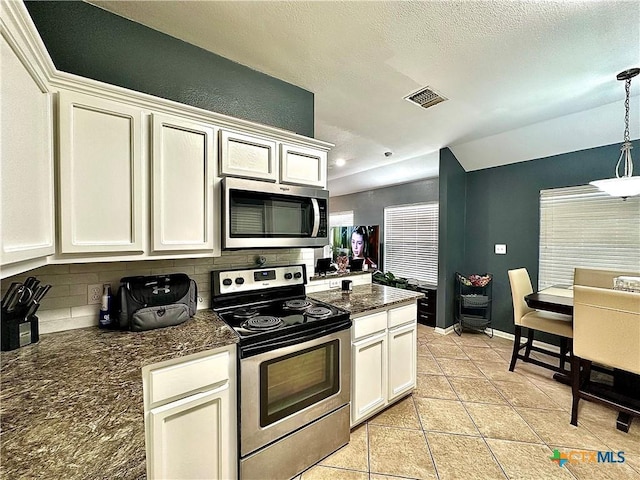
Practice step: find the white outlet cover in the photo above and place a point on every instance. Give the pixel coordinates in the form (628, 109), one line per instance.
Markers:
(94, 293)
(500, 249)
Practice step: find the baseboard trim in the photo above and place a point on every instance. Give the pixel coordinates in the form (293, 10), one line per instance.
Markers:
(505, 335)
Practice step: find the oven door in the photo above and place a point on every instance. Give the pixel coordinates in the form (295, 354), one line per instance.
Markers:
(285, 389)
(261, 214)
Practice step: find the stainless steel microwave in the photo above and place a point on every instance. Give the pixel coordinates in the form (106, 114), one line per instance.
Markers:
(268, 215)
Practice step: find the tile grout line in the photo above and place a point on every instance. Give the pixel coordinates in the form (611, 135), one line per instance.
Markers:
(424, 434)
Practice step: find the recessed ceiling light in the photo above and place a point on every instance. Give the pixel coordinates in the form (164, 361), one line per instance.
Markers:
(340, 162)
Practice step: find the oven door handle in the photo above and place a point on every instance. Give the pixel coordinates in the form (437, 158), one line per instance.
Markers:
(293, 339)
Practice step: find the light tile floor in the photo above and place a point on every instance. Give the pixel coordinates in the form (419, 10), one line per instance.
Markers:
(470, 418)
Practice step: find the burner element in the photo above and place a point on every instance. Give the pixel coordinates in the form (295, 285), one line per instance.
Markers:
(297, 304)
(262, 322)
(318, 312)
(243, 313)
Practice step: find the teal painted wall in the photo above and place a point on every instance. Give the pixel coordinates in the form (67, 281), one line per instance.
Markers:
(91, 42)
(502, 206)
(451, 234)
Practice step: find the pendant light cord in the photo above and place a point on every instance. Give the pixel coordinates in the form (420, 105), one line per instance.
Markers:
(625, 150)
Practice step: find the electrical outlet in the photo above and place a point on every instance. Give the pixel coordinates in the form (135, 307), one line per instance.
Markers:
(334, 283)
(500, 249)
(94, 294)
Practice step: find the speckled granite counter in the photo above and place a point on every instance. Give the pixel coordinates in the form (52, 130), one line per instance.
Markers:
(338, 275)
(71, 405)
(366, 297)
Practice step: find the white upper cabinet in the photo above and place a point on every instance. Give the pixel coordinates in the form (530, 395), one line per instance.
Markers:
(100, 175)
(184, 206)
(303, 166)
(247, 156)
(26, 168)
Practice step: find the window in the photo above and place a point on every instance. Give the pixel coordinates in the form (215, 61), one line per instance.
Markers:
(583, 227)
(341, 219)
(411, 241)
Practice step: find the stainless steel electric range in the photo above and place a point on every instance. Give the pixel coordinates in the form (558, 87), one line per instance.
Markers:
(294, 369)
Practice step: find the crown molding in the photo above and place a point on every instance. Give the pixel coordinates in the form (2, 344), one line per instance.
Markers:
(21, 33)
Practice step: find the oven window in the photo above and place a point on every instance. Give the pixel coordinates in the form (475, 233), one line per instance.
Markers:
(291, 383)
(255, 214)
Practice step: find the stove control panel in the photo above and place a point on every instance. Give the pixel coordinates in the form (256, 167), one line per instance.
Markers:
(238, 281)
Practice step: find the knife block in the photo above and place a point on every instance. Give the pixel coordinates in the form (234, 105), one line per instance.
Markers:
(17, 331)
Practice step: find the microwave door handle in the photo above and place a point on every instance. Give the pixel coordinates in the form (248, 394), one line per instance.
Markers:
(316, 217)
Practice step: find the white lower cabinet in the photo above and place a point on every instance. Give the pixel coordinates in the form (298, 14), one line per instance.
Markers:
(369, 378)
(190, 416)
(383, 349)
(402, 360)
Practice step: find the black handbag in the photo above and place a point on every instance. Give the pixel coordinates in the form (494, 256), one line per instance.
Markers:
(148, 302)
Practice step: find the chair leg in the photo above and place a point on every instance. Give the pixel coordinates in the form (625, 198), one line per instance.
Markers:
(563, 351)
(516, 347)
(575, 387)
(527, 352)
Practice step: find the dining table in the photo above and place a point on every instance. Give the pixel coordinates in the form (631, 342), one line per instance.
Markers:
(559, 299)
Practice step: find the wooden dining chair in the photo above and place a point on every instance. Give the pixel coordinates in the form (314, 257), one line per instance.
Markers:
(536, 320)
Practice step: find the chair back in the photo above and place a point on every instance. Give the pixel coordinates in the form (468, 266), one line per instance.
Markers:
(520, 286)
(592, 277)
(606, 327)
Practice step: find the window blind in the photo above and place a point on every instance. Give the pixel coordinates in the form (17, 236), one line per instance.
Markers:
(411, 241)
(583, 227)
(341, 219)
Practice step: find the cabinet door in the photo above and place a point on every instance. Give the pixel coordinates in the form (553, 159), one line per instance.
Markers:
(26, 170)
(369, 376)
(402, 359)
(100, 175)
(247, 156)
(190, 438)
(183, 201)
(303, 166)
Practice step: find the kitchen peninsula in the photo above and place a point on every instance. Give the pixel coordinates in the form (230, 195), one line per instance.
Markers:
(364, 298)
(72, 404)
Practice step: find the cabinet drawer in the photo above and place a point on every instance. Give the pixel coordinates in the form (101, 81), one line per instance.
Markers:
(428, 319)
(369, 324)
(185, 377)
(401, 315)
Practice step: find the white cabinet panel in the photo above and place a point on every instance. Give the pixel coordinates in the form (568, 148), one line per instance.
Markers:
(100, 175)
(369, 376)
(402, 359)
(191, 431)
(26, 175)
(189, 437)
(303, 166)
(188, 376)
(384, 354)
(363, 326)
(247, 156)
(183, 200)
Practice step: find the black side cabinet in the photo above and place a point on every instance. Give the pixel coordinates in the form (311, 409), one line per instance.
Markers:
(427, 305)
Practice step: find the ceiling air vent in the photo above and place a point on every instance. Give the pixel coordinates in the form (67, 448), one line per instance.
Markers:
(425, 97)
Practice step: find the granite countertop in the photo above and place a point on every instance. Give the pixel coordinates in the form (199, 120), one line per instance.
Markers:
(71, 406)
(368, 297)
(339, 275)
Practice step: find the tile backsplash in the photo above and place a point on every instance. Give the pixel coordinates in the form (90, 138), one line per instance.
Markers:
(65, 306)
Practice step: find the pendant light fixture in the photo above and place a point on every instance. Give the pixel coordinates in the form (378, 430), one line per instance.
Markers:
(625, 185)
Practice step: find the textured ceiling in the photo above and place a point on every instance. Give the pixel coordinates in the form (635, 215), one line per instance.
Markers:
(524, 79)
